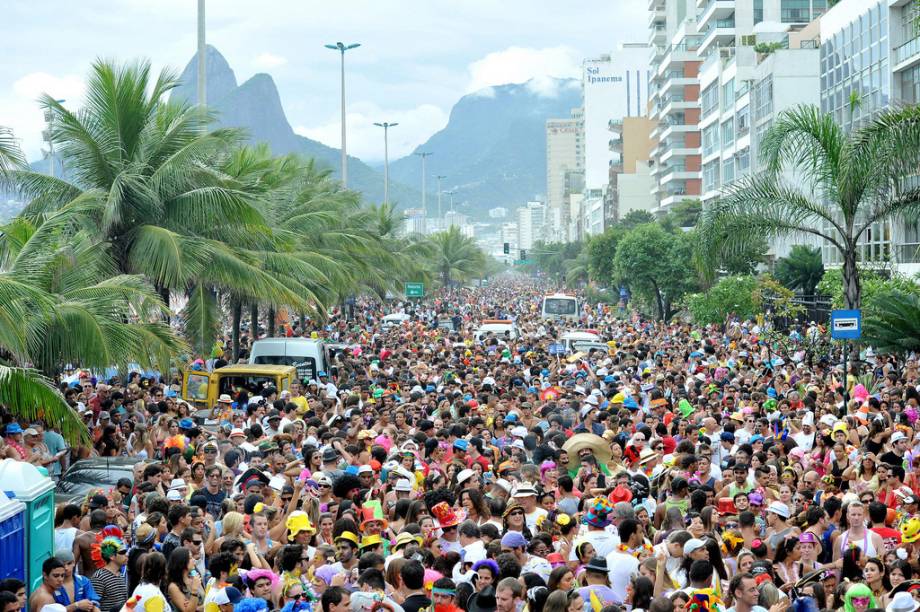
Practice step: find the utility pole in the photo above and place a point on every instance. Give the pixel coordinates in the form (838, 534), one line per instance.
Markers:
(439, 177)
(424, 155)
(342, 48)
(386, 160)
(202, 60)
(450, 194)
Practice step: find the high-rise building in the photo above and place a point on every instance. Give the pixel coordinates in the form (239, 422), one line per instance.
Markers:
(870, 61)
(564, 154)
(613, 86)
(703, 68)
(631, 145)
(530, 220)
(414, 221)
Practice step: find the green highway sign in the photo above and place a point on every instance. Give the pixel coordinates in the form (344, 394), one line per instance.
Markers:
(523, 262)
(415, 290)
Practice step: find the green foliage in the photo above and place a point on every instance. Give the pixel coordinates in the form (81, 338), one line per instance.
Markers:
(733, 294)
(685, 213)
(655, 265)
(745, 296)
(767, 48)
(551, 258)
(801, 270)
(893, 323)
(602, 249)
(845, 181)
(456, 257)
(635, 218)
(873, 286)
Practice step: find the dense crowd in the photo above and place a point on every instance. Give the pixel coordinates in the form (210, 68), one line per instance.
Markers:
(681, 468)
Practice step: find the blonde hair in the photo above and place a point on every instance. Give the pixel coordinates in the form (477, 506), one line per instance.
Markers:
(232, 524)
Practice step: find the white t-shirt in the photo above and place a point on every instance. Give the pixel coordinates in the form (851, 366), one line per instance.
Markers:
(531, 518)
(604, 543)
(621, 567)
(539, 566)
(804, 441)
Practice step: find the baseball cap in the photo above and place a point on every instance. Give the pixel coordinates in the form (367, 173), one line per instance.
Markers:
(403, 485)
(228, 595)
(693, 544)
(779, 508)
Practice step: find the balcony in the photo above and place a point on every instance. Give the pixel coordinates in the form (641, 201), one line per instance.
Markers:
(720, 34)
(653, 4)
(677, 102)
(656, 15)
(615, 126)
(907, 55)
(658, 34)
(677, 78)
(615, 145)
(715, 9)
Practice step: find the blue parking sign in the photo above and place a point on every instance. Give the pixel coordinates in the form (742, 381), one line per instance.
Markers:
(846, 324)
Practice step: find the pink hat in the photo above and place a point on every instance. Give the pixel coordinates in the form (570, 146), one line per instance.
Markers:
(860, 393)
(807, 537)
(384, 441)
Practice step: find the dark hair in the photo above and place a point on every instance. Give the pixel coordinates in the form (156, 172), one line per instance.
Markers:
(70, 511)
(220, 563)
(735, 583)
(333, 596)
(154, 568)
(413, 575)
(176, 514)
(626, 528)
(899, 564)
(50, 565)
(372, 577)
(290, 556)
(877, 512)
(643, 591)
(469, 529)
(7, 598)
(12, 585)
(700, 571)
(177, 566)
(556, 575)
(508, 566)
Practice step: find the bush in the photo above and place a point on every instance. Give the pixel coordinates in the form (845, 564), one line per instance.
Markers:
(734, 294)
(873, 285)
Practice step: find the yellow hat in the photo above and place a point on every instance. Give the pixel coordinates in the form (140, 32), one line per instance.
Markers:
(298, 522)
(910, 530)
(840, 426)
(371, 540)
(737, 416)
(406, 538)
(347, 535)
(619, 398)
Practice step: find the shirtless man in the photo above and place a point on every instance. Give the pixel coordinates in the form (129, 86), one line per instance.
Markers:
(53, 574)
(83, 543)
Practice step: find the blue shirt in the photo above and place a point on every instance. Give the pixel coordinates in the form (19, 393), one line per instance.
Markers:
(55, 443)
(82, 589)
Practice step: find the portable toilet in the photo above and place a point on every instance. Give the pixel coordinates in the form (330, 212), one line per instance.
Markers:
(12, 538)
(26, 483)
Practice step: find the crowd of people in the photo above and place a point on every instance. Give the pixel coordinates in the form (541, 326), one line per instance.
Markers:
(682, 468)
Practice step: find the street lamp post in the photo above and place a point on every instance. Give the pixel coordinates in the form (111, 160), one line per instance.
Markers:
(342, 48)
(386, 159)
(424, 155)
(450, 193)
(202, 63)
(439, 177)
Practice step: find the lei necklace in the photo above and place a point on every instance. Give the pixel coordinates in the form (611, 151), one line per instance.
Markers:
(635, 552)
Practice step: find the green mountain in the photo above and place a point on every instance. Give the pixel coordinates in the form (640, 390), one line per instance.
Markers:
(256, 106)
(493, 150)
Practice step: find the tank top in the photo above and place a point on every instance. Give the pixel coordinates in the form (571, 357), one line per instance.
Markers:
(866, 545)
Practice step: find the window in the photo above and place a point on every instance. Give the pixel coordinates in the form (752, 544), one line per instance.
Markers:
(728, 95)
(743, 119)
(728, 133)
(758, 11)
(763, 97)
(728, 171)
(711, 176)
(711, 139)
(744, 162)
(710, 99)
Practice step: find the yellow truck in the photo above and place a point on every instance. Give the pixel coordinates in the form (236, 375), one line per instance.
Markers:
(201, 388)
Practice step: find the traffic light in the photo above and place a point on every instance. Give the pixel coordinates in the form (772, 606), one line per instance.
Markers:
(507, 248)
(523, 254)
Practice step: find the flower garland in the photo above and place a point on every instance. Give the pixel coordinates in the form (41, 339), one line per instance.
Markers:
(642, 549)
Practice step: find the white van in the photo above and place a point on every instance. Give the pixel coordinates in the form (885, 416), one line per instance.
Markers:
(497, 327)
(305, 354)
(559, 306)
(569, 339)
(394, 320)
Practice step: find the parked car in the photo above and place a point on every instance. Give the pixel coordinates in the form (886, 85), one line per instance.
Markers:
(96, 473)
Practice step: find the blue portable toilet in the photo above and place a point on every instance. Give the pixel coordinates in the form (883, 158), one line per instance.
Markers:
(12, 538)
(26, 483)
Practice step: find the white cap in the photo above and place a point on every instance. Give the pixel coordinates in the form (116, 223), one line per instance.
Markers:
(828, 420)
(236, 431)
(519, 432)
(173, 495)
(693, 544)
(592, 399)
(178, 483)
(898, 435)
(277, 482)
(488, 380)
(779, 508)
(465, 475)
(403, 484)
(504, 484)
(808, 419)
(518, 443)
(365, 469)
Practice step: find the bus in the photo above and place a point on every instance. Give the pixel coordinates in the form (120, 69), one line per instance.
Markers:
(559, 306)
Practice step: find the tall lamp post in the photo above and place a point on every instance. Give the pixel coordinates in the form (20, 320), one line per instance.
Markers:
(450, 193)
(439, 177)
(424, 155)
(202, 63)
(342, 48)
(386, 159)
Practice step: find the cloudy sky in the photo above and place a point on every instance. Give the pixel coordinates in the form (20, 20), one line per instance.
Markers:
(417, 58)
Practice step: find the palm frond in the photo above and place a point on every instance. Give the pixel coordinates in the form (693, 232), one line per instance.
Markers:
(29, 396)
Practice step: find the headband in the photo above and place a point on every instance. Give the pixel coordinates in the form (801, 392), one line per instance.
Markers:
(440, 591)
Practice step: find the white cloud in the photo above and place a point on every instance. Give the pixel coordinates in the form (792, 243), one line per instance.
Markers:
(268, 60)
(19, 108)
(365, 140)
(523, 64)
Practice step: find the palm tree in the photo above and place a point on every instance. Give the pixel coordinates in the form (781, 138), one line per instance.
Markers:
(801, 270)
(577, 270)
(147, 186)
(456, 257)
(845, 183)
(893, 323)
(10, 154)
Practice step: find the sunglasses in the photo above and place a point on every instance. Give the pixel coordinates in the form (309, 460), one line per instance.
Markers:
(197, 542)
(860, 601)
(516, 513)
(325, 486)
